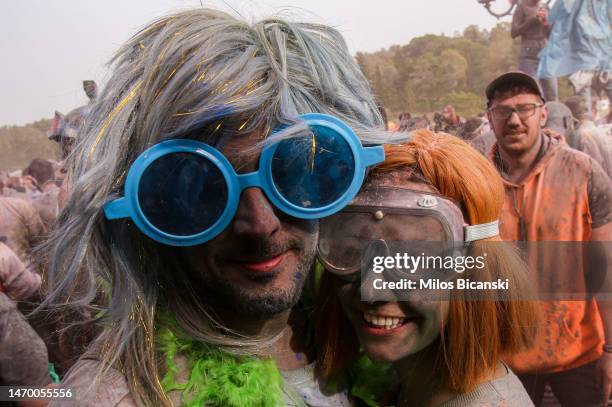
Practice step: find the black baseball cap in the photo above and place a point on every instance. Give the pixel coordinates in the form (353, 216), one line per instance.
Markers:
(516, 77)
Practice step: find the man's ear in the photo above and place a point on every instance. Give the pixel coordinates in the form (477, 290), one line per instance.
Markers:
(490, 119)
(543, 115)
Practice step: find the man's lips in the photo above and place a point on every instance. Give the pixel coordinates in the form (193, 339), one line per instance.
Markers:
(515, 133)
(266, 265)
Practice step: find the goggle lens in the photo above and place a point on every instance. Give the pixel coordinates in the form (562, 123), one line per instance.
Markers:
(182, 193)
(314, 170)
(349, 240)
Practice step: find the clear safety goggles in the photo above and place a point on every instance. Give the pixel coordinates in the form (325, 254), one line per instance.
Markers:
(390, 221)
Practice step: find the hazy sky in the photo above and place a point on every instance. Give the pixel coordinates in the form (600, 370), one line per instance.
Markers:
(49, 46)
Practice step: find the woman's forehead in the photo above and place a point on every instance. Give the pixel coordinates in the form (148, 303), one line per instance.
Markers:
(398, 178)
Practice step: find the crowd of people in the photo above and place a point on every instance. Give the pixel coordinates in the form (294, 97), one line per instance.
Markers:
(34, 350)
(589, 131)
(205, 238)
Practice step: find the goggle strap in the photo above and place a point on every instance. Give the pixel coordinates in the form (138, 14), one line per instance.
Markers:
(482, 231)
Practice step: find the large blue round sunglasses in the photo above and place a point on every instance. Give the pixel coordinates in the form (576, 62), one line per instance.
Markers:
(184, 192)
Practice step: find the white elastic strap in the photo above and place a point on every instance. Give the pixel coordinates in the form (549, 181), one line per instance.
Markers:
(482, 231)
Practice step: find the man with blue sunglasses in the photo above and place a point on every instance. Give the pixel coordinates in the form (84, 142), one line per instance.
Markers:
(192, 222)
(261, 217)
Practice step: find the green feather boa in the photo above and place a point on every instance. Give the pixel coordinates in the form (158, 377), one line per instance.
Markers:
(217, 378)
(371, 381)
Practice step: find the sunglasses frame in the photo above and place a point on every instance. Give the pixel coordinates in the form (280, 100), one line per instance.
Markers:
(128, 206)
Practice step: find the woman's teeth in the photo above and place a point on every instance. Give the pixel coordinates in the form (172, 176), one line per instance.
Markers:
(383, 322)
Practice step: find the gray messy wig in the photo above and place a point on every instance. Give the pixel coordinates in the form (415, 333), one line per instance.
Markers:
(200, 74)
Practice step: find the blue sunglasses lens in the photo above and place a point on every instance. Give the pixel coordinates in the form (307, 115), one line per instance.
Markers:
(315, 170)
(182, 194)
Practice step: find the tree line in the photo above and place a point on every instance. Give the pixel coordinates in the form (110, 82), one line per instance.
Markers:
(437, 70)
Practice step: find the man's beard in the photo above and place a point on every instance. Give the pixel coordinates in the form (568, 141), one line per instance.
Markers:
(219, 293)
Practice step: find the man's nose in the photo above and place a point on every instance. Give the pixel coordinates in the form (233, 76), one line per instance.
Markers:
(514, 119)
(255, 216)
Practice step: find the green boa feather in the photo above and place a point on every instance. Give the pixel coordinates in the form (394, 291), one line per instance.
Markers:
(218, 378)
(370, 381)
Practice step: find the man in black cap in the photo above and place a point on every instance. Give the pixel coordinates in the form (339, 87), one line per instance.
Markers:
(554, 193)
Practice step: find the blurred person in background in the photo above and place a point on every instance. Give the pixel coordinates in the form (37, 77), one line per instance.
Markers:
(530, 22)
(448, 121)
(471, 129)
(587, 136)
(23, 354)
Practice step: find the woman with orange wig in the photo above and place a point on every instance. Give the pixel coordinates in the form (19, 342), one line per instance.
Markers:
(434, 194)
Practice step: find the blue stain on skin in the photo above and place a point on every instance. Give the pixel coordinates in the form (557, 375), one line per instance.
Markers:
(298, 356)
(298, 276)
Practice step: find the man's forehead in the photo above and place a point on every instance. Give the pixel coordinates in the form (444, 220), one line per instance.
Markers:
(514, 99)
(242, 141)
(243, 150)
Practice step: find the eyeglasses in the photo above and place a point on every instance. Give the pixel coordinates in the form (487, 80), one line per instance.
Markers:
(184, 192)
(523, 111)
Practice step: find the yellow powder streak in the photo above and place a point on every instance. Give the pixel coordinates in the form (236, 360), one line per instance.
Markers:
(178, 66)
(313, 150)
(202, 76)
(183, 113)
(242, 125)
(218, 126)
(157, 25)
(112, 115)
(157, 64)
(266, 132)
